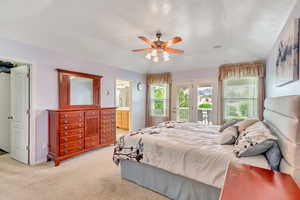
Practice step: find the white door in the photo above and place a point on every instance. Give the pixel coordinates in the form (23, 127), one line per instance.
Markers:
(19, 113)
(5, 111)
(182, 110)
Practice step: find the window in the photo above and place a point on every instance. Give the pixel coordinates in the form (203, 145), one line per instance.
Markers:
(240, 98)
(159, 100)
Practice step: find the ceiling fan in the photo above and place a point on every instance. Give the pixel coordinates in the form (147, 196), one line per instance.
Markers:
(159, 49)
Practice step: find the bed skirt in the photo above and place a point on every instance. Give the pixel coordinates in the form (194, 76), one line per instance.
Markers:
(168, 184)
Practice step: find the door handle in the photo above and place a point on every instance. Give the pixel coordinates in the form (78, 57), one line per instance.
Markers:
(10, 117)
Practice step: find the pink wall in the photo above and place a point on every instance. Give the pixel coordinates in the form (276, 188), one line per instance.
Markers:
(46, 88)
(289, 89)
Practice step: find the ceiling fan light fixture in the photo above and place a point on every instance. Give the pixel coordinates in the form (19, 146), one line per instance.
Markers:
(166, 58)
(154, 52)
(155, 59)
(148, 56)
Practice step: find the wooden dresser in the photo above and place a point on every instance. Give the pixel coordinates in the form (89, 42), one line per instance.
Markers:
(72, 132)
(80, 124)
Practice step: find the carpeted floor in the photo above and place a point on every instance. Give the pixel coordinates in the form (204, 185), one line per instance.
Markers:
(91, 176)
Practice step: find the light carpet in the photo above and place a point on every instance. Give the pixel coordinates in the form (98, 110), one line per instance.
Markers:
(91, 176)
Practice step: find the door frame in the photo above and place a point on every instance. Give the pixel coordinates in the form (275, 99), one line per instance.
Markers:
(32, 107)
(130, 99)
(195, 83)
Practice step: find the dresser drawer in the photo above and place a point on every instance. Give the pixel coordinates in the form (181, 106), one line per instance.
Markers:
(67, 115)
(92, 139)
(71, 132)
(73, 120)
(71, 144)
(92, 144)
(71, 126)
(64, 140)
(92, 113)
(71, 150)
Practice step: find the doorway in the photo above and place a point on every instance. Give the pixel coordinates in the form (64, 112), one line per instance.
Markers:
(124, 106)
(195, 102)
(15, 110)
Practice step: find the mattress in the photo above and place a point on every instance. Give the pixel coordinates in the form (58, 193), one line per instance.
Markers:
(187, 149)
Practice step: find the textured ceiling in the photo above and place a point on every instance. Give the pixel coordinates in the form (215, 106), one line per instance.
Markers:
(106, 30)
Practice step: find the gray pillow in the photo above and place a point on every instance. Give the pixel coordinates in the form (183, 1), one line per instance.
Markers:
(228, 124)
(274, 156)
(256, 149)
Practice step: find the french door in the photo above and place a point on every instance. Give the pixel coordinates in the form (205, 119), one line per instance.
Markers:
(194, 102)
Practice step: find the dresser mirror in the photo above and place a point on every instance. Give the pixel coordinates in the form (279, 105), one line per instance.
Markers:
(81, 91)
(78, 90)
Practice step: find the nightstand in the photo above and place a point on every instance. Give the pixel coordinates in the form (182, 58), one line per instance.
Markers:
(246, 182)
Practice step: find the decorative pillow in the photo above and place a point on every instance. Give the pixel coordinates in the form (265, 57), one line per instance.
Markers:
(256, 126)
(228, 136)
(254, 142)
(242, 125)
(274, 156)
(228, 124)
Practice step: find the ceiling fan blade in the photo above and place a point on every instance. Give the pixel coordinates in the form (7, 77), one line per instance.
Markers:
(152, 44)
(170, 50)
(172, 41)
(139, 50)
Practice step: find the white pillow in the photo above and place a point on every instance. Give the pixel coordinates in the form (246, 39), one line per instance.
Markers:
(242, 125)
(228, 136)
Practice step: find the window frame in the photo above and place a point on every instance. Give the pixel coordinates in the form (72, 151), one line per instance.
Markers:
(165, 100)
(253, 99)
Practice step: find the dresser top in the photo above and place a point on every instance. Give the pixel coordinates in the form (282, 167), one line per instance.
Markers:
(248, 183)
(80, 109)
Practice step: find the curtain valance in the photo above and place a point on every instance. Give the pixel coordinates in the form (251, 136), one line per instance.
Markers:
(163, 78)
(242, 70)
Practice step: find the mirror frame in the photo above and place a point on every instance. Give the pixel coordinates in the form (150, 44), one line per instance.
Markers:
(64, 89)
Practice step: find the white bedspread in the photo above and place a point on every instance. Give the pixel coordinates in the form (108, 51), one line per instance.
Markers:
(190, 150)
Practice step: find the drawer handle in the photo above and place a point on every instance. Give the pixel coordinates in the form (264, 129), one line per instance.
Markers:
(65, 145)
(80, 120)
(66, 151)
(66, 140)
(66, 115)
(66, 121)
(79, 136)
(79, 148)
(79, 125)
(65, 127)
(66, 133)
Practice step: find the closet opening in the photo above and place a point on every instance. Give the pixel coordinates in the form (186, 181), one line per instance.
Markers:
(14, 110)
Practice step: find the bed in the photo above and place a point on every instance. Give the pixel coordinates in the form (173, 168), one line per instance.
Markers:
(185, 161)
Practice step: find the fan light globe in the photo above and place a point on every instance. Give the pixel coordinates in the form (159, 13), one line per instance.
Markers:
(154, 52)
(148, 56)
(166, 58)
(155, 59)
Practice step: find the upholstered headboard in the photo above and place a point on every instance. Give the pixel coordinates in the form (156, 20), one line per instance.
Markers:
(282, 114)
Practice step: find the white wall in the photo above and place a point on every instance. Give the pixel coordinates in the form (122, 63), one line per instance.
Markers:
(4, 111)
(45, 85)
(289, 89)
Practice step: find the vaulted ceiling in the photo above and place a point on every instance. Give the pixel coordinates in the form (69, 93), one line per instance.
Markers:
(106, 30)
